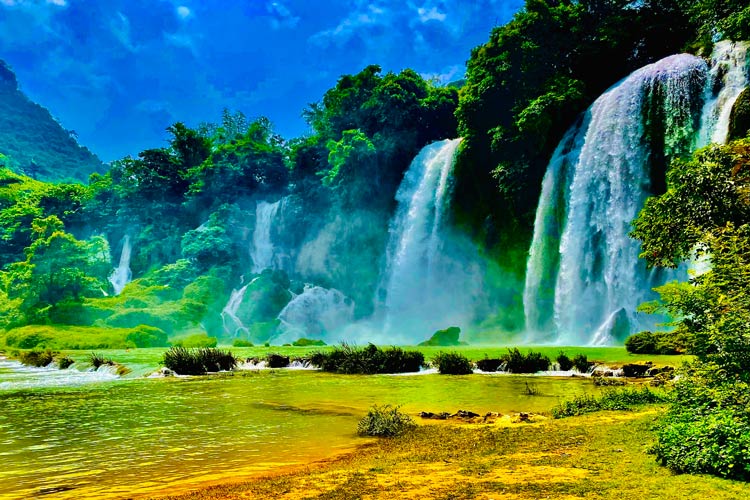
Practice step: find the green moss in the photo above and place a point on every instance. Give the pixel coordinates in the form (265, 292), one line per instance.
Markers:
(195, 340)
(739, 120)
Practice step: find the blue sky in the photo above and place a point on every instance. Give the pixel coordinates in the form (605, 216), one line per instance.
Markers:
(118, 72)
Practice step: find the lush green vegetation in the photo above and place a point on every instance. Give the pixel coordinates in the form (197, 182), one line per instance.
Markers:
(612, 399)
(385, 421)
(452, 363)
(447, 337)
(34, 143)
(184, 361)
(367, 360)
(514, 361)
(705, 209)
(653, 343)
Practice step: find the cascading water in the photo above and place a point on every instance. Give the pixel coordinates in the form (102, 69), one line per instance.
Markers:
(427, 285)
(584, 279)
(317, 313)
(233, 325)
(262, 251)
(727, 79)
(122, 275)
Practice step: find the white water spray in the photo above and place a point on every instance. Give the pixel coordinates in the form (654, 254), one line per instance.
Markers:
(122, 275)
(263, 251)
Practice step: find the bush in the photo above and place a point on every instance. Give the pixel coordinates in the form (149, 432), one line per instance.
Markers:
(308, 342)
(452, 363)
(489, 364)
(581, 363)
(64, 362)
(385, 421)
(242, 343)
(72, 337)
(147, 336)
(564, 362)
(37, 358)
(613, 399)
(96, 360)
(707, 429)
(274, 360)
(653, 343)
(198, 340)
(185, 361)
(367, 360)
(516, 362)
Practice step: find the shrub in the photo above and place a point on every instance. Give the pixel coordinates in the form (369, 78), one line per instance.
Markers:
(198, 340)
(653, 343)
(37, 358)
(707, 429)
(489, 364)
(564, 362)
(581, 363)
(185, 361)
(274, 360)
(385, 421)
(452, 363)
(308, 342)
(367, 360)
(147, 336)
(64, 362)
(242, 343)
(96, 360)
(516, 362)
(612, 399)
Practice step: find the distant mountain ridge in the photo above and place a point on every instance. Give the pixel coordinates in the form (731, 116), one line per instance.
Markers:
(37, 145)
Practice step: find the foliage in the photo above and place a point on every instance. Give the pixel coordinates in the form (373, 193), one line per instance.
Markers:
(303, 342)
(739, 120)
(185, 361)
(706, 207)
(612, 399)
(147, 336)
(98, 360)
(446, 337)
(274, 360)
(73, 337)
(64, 362)
(242, 343)
(581, 363)
(37, 358)
(452, 363)
(195, 340)
(707, 429)
(564, 362)
(647, 342)
(514, 361)
(38, 145)
(385, 421)
(367, 360)
(489, 364)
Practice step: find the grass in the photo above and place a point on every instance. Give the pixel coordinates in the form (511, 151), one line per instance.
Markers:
(385, 421)
(70, 337)
(612, 399)
(366, 360)
(598, 456)
(186, 361)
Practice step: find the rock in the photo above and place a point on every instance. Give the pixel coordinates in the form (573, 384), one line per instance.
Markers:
(635, 370)
(434, 416)
(465, 414)
(447, 337)
(739, 120)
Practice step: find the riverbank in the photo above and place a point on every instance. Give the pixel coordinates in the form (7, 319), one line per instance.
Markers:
(597, 456)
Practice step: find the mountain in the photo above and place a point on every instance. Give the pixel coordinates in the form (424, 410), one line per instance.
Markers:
(36, 143)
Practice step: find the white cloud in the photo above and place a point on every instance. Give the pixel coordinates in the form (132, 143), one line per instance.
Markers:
(364, 16)
(433, 14)
(281, 16)
(183, 12)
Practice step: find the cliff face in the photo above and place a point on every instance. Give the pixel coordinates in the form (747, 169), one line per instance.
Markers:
(36, 143)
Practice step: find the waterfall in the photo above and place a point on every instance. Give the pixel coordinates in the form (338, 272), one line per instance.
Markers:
(727, 79)
(315, 313)
(584, 280)
(233, 325)
(262, 251)
(122, 275)
(428, 282)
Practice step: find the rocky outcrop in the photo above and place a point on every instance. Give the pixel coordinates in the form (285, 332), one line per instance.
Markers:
(739, 120)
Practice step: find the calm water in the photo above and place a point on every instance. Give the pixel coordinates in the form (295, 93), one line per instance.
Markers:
(71, 434)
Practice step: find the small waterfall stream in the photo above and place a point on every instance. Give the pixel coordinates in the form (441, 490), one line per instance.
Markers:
(122, 274)
(316, 313)
(262, 251)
